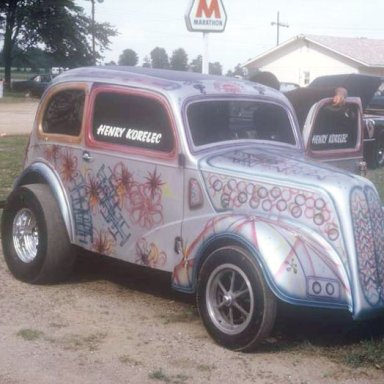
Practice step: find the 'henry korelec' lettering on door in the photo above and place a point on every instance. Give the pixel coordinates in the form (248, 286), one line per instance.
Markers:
(333, 138)
(129, 134)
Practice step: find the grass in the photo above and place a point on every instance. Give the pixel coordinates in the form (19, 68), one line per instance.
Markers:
(18, 75)
(12, 149)
(187, 315)
(160, 375)
(82, 342)
(377, 178)
(30, 334)
(364, 353)
(125, 359)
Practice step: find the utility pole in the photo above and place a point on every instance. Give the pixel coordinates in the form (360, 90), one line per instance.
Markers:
(278, 25)
(93, 30)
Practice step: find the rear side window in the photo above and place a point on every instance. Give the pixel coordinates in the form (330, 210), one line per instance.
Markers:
(132, 120)
(64, 113)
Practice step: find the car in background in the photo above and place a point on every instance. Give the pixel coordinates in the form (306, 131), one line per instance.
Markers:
(287, 86)
(376, 105)
(35, 86)
(206, 178)
(370, 89)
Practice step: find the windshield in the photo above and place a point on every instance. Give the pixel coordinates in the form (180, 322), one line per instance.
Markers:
(214, 121)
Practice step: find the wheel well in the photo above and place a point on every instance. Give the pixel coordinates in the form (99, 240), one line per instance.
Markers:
(31, 178)
(41, 174)
(216, 244)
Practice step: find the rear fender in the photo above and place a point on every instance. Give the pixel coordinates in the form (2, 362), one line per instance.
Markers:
(40, 172)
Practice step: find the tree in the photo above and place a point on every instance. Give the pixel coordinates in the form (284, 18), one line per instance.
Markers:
(196, 64)
(128, 57)
(146, 62)
(179, 60)
(59, 26)
(34, 58)
(238, 71)
(159, 58)
(215, 68)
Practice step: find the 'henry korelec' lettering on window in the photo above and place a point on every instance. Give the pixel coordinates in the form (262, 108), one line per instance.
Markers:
(108, 131)
(143, 136)
(129, 134)
(330, 139)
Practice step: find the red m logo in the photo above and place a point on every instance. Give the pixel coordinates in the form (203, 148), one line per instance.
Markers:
(208, 11)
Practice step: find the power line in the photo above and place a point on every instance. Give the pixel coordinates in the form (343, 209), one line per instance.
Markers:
(278, 24)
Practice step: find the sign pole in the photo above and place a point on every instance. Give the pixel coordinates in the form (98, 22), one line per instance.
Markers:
(205, 64)
(205, 16)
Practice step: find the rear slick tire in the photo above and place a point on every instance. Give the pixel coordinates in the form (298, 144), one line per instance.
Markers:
(35, 242)
(235, 303)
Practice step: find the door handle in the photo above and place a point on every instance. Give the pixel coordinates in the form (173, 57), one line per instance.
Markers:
(87, 156)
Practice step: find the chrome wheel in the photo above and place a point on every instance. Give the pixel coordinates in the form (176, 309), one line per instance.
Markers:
(25, 235)
(230, 300)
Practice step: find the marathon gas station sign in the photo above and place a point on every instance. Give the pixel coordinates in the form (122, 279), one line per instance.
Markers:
(206, 16)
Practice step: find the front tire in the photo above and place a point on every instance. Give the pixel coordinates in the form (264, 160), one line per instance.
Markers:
(34, 238)
(236, 305)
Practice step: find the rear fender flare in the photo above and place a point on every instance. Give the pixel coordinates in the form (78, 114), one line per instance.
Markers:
(40, 172)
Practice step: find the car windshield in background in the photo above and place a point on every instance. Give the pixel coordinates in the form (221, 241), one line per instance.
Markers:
(217, 121)
(376, 105)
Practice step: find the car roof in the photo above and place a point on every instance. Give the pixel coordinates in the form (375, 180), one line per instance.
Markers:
(180, 84)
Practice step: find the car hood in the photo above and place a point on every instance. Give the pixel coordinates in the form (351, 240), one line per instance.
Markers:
(277, 164)
(283, 186)
(357, 85)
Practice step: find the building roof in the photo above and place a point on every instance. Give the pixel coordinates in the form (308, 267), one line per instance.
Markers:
(368, 52)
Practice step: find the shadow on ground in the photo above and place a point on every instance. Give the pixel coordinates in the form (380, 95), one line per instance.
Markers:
(294, 325)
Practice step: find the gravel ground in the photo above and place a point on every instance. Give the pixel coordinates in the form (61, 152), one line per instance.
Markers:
(114, 323)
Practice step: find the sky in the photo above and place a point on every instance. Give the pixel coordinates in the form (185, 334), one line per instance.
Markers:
(146, 24)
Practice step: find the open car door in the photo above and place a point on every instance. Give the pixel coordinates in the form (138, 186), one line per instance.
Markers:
(334, 135)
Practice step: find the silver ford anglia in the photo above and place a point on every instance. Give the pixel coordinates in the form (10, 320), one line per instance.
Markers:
(208, 178)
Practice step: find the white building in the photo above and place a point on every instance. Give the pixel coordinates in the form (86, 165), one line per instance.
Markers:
(305, 57)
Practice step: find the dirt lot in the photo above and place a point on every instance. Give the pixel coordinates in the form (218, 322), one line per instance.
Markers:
(112, 323)
(17, 118)
(116, 324)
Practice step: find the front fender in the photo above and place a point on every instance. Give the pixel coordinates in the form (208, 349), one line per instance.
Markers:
(40, 172)
(300, 266)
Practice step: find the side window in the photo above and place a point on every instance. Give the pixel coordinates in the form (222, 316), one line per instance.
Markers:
(132, 120)
(335, 128)
(64, 113)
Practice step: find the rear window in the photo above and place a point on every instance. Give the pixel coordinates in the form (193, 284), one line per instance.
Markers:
(216, 121)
